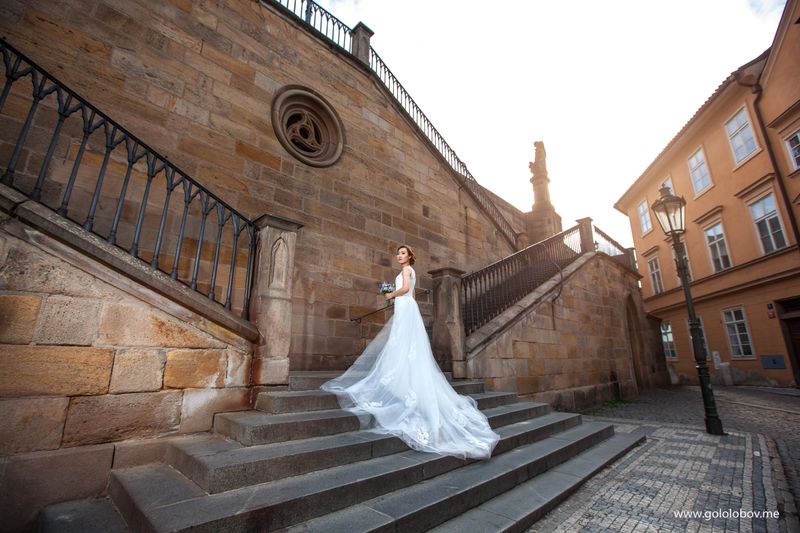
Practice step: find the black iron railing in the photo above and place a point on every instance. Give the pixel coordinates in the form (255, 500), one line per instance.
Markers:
(321, 20)
(488, 292)
(426, 126)
(606, 244)
(61, 151)
(335, 31)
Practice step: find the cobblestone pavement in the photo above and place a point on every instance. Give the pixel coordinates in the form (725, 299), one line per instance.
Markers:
(723, 480)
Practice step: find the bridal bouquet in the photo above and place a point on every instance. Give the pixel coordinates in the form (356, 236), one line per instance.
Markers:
(387, 287)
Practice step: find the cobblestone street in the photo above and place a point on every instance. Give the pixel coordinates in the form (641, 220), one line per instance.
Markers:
(681, 468)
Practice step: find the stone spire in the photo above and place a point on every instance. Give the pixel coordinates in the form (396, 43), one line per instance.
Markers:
(539, 179)
(543, 221)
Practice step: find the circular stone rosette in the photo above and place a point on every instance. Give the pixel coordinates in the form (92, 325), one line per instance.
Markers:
(307, 126)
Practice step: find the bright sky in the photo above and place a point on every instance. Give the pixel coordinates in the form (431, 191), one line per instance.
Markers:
(606, 85)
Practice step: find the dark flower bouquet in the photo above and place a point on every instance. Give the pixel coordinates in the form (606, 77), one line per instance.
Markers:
(386, 288)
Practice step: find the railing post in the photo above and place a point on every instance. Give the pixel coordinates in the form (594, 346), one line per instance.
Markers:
(271, 300)
(631, 253)
(522, 240)
(587, 239)
(361, 35)
(448, 326)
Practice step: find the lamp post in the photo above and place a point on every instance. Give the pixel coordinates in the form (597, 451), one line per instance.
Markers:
(669, 210)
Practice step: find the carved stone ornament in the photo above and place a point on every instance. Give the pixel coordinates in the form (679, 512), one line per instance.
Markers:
(307, 126)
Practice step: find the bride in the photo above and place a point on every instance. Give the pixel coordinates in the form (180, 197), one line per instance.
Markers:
(398, 382)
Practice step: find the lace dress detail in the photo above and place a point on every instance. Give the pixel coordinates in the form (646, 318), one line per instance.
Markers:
(397, 381)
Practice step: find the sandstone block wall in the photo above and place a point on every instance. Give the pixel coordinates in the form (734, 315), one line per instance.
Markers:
(575, 345)
(195, 80)
(96, 372)
(84, 361)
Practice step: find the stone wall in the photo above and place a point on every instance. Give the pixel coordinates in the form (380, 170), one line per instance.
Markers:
(196, 81)
(571, 345)
(94, 370)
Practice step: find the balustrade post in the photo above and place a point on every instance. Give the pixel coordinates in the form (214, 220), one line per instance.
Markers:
(631, 254)
(587, 238)
(447, 340)
(522, 240)
(271, 299)
(360, 36)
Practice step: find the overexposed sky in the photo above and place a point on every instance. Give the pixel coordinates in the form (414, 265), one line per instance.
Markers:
(605, 85)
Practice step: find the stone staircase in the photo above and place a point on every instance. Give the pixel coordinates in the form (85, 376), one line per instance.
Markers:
(299, 463)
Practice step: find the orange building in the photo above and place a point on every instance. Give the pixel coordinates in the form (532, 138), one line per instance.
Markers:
(737, 164)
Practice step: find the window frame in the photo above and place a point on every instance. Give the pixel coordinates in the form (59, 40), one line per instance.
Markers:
(708, 247)
(725, 324)
(646, 212)
(707, 171)
(664, 332)
(794, 162)
(776, 214)
(656, 281)
(749, 125)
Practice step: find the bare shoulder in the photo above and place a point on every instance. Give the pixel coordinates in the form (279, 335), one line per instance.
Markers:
(408, 269)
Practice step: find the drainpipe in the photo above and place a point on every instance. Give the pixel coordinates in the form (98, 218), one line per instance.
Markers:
(756, 88)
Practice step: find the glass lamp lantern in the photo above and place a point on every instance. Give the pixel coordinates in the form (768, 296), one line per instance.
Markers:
(670, 212)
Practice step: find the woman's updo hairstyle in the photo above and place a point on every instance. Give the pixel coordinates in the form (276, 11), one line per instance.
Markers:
(411, 257)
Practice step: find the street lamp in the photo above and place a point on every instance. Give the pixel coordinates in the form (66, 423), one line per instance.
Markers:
(669, 210)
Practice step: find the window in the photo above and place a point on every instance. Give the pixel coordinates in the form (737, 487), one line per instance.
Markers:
(716, 246)
(644, 217)
(738, 336)
(740, 135)
(668, 184)
(668, 341)
(655, 275)
(793, 144)
(699, 171)
(765, 217)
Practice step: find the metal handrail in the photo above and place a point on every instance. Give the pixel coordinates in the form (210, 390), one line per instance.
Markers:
(437, 140)
(321, 20)
(339, 34)
(105, 203)
(607, 244)
(488, 292)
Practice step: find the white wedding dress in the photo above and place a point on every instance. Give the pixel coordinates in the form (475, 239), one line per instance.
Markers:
(398, 382)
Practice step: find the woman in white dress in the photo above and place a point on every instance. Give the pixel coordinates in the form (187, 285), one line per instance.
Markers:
(398, 382)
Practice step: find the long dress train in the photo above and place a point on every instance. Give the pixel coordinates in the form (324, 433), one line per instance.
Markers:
(398, 382)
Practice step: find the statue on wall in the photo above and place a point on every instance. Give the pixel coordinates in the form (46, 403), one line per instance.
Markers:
(539, 165)
(539, 178)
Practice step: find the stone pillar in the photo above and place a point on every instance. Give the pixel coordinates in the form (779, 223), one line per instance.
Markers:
(522, 240)
(631, 253)
(271, 300)
(448, 327)
(361, 36)
(587, 238)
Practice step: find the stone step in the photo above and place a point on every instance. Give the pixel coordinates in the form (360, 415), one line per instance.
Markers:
(255, 427)
(138, 491)
(217, 465)
(317, 400)
(517, 509)
(313, 379)
(427, 504)
(81, 516)
(166, 503)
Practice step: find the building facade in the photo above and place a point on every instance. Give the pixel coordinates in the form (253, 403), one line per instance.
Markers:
(737, 164)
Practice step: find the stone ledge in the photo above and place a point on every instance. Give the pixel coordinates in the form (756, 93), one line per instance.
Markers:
(42, 218)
